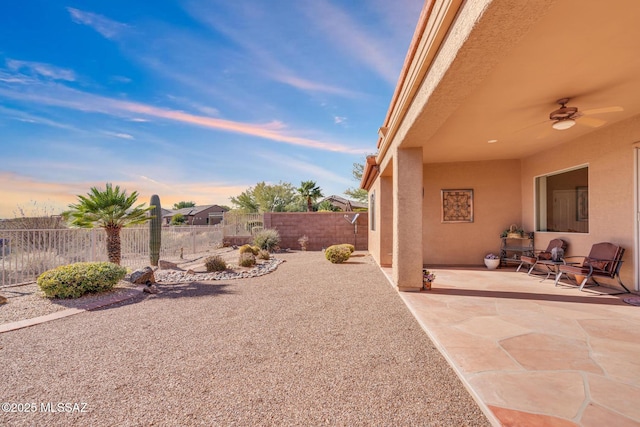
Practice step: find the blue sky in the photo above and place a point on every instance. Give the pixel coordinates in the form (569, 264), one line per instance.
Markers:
(192, 100)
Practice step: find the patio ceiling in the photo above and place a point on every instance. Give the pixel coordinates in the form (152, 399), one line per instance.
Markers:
(519, 58)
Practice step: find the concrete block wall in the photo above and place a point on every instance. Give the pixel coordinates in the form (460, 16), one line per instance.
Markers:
(323, 229)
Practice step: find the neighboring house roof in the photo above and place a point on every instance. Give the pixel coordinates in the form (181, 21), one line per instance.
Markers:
(344, 204)
(194, 210)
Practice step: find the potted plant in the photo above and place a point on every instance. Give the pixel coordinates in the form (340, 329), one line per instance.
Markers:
(492, 261)
(427, 278)
(513, 232)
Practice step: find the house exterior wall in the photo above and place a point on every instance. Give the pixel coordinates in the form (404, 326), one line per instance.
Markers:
(201, 217)
(609, 153)
(497, 205)
(323, 229)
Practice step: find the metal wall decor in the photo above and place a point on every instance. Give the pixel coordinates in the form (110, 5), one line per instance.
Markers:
(457, 206)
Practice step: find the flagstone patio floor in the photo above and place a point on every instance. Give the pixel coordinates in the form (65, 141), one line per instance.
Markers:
(532, 353)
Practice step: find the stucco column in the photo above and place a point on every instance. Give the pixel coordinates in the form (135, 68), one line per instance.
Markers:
(407, 219)
(386, 221)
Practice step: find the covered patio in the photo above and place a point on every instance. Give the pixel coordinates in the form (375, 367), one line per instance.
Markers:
(532, 353)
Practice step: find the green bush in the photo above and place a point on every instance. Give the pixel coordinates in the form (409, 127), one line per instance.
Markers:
(75, 280)
(262, 254)
(178, 219)
(349, 246)
(215, 263)
(267, 239)
(247, 259)
(337, 254)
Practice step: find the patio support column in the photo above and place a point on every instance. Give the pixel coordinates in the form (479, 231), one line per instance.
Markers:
(386, 220)
(407, 219)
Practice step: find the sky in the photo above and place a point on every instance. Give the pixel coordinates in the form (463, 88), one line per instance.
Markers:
(192, 100)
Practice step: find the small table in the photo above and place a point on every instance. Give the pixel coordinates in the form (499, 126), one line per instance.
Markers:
(553, 267)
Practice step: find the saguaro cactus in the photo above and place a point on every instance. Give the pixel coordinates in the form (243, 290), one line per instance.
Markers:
(155, 230)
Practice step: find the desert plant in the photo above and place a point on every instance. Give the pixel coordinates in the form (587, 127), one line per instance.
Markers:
(215, 263)
(247, 259)
(262, 254)
(267, 239)
(304, 242)
(75, 280)
(337, 254)
(110, 209)
(178, 219)
(155, 230)
(249, 249)
(349, 246)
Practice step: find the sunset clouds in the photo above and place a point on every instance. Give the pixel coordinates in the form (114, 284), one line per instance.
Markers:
(192, 99)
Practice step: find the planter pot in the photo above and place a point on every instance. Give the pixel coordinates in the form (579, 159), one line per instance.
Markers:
(426, 285)
(492, 264)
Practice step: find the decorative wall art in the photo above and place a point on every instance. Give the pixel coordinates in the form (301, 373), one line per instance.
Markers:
(457, 206)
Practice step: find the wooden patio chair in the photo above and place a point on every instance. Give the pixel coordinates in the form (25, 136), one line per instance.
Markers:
(604, 260)
(539, 257)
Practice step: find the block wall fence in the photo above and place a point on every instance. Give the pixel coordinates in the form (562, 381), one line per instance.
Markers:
(322, 228)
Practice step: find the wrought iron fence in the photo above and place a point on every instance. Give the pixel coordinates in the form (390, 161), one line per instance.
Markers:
(25, 254)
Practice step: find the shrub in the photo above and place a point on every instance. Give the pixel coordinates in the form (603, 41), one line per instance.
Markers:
(267, 239)
(264, 254)
(337, 254)
(247, 259)
(304, 242)
(215, 263)
(349, 246)
(75, 280)
(249, 249)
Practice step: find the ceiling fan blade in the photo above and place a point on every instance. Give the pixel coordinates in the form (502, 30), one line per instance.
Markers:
(603, 110)
(591, 122)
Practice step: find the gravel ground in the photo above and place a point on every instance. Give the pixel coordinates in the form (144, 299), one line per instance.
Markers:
(311, 343)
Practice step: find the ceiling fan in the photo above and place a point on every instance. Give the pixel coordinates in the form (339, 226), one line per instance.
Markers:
(565, 117)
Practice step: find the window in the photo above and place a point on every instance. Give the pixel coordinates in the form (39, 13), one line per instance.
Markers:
(562, 201)
(372, 210)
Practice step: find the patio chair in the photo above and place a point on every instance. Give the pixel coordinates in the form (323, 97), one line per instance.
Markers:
(604, 260)
(539, 257)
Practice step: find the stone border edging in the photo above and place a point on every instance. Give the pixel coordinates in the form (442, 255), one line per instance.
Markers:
(12, 326)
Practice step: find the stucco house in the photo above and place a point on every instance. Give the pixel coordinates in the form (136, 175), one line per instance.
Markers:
(199, 215)
(345, 205)
(521, 112)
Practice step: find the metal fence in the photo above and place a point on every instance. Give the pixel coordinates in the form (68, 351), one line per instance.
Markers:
(25, 254)
(239, 224)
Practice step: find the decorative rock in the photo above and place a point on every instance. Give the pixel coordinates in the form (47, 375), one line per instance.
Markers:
(3, 300)
(189, 276)
(167, 265)
(142, 276)
(151, 289)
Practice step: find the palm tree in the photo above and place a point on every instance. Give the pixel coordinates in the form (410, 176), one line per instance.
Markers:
(310, 192)
(110, 209)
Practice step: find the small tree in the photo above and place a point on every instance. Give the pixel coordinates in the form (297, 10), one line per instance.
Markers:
(182, 205)
(358, 194)
(110, 209)
(309, 191)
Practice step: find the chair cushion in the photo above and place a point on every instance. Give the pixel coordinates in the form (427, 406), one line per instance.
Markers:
(597, 264)
(544, 255)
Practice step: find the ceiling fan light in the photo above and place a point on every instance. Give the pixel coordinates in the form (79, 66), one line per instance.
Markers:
(563, 124)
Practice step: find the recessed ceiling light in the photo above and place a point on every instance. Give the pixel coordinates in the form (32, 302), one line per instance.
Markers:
(491, 141)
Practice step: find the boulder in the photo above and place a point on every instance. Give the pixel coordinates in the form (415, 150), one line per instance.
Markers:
(2, 300)
(142, 276)
(151, 289)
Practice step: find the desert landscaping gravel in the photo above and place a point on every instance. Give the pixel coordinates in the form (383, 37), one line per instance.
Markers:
(311, 343)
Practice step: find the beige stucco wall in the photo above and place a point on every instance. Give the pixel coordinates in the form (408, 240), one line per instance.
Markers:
(610, 156)
(496, 191)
